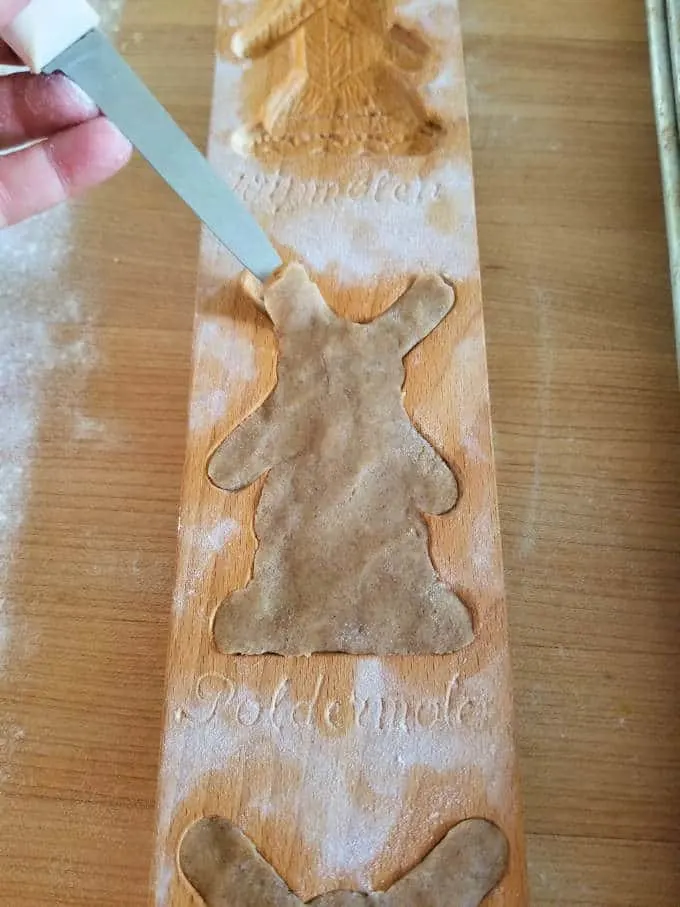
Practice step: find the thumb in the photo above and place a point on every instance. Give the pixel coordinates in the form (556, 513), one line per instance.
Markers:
(9, 9)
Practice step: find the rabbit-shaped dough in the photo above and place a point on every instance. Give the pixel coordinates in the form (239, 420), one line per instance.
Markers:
(342, 563)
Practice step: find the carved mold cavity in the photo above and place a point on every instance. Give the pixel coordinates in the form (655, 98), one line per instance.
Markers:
(348, 89)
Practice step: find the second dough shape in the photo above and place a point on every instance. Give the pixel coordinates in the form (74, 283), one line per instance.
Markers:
(227, 871)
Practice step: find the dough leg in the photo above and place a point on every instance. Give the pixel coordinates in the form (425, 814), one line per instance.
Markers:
(245, 625)
(447, 626)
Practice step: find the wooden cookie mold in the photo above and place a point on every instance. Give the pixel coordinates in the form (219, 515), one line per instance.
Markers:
(343, 771)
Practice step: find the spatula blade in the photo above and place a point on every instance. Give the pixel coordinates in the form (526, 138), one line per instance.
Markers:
(94, 65)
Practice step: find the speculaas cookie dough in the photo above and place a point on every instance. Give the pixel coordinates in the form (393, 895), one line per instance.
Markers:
(343, 562)
(227, 871)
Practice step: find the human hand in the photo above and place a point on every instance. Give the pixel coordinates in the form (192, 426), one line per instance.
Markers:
(81, 148)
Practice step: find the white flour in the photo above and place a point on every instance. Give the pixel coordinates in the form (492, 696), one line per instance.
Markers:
(205, 543)
(11, 736)
(36, 301)
(34, 304)
(164, 880)
(111, 12)
(219, 345)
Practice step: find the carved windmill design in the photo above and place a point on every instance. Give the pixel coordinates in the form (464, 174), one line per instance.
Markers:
(346, 90)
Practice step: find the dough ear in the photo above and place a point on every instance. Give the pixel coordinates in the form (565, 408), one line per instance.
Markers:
(462, 869)
(294, 303)
(418, 312)
(252, 288)
(225, 869)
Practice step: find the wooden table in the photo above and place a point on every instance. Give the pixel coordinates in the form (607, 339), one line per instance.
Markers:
(587, 428)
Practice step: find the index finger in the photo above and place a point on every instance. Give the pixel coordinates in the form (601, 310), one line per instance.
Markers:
(9, 9)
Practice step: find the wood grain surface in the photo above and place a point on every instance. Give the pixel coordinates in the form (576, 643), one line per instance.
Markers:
(586, 421)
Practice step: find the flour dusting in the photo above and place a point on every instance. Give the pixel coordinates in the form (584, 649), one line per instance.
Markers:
(484, 545)
(5, 634)
(11, 736)
(204, 544)
(86, 428)
(111, 12)
(356, 783)
(219, 347)
(217, 339)
(164, 880)
(32, 350)
(35, 351)
(208, 408)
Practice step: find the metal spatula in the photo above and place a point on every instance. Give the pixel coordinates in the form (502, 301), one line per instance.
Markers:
(62, 36)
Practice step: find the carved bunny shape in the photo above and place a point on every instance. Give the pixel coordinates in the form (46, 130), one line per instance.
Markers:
(343, 562)
(226, 870)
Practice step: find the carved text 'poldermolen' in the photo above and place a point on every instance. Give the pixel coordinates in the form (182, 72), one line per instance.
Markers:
(219, 697)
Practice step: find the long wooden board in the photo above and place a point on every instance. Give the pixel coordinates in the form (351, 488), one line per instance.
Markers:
(344, 771)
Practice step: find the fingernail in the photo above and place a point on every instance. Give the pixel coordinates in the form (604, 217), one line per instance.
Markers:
(120, 148)
(75, 94)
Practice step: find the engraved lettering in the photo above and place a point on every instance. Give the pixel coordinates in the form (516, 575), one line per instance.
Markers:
(316, 193)
(306, 707)
(246, 188)
(358, 190)
(280, 194)
(287, 194)
(214, 689)
(393, 714)
(248, 712)
(380, 184)
(466, 710)
(211, 685)
(330, 713)
(428, 713)
(277, 698)
(240, 185)
(448, 701)
(401, 192)
(217, 696)
(256, 188)
(360, 712)
(331, 192)
(269, 187)
(296, 191)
